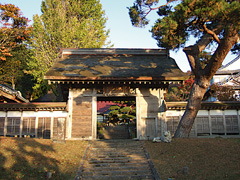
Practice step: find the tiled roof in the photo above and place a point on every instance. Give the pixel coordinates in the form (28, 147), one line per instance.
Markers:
(114, 64)
(205, 105)
(223, 69)
(12, 94)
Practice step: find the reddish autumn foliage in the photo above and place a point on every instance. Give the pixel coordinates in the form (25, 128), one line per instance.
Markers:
(180, 92)
(14, 29)
(223, 93)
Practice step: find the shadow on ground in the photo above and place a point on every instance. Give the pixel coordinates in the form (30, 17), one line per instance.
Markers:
(28, 158)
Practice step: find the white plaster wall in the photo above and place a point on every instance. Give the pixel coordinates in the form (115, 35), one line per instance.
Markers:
(172, 113)
(202, 113)
(34, 114)
(29, 113)
(216, 112)
(181, 112)
(50, 114)
(2, 113)
(219, 78)
(83, 92)
(230, 112)
(14, 114)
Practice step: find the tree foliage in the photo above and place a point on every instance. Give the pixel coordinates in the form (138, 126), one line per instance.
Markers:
(14, 29)
(65, 24)
(12, 71)
(14, 53)
(213, 23)
(223, 93)
(122, 113)
(180, 92)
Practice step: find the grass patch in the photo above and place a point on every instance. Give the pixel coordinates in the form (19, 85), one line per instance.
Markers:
(209, 159)
(29, 158)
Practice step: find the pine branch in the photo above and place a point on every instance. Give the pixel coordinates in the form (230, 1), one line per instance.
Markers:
(212, 33)
(163, 5)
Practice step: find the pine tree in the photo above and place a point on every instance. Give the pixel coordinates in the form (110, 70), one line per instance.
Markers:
(65, 24)
(211, 22)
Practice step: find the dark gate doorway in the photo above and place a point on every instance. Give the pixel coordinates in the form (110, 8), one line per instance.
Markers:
(116, 117)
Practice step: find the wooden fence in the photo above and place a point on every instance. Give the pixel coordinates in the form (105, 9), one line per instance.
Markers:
(35, 119)
(214, 119)
(48, 120)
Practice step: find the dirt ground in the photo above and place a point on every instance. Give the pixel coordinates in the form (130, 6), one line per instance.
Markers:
(32, 158)
(196, 159)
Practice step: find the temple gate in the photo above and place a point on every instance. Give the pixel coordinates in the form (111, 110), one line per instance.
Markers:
(84, 75)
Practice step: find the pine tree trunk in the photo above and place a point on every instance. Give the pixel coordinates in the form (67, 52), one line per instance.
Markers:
(194, 104)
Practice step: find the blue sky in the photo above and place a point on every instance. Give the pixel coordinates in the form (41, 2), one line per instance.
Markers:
(122, 33)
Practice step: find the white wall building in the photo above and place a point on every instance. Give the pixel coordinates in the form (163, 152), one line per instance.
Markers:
(228, 75)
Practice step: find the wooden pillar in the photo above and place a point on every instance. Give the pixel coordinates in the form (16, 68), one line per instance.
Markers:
(224, 123)
(5, 124)
(21, 125)
(195, 127)
(94, 115)
(162, 113)
(51, 125)
(69, 115)
(210, 122)
(238, 118)
(156, 127)
(138, 114)
(36, 125)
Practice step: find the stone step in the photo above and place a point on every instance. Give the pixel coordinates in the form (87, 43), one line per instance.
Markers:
(117, 155)
(119, 144)
(117, 150)
(90, 161)
(116, 168)
(116, 142)
(122, 177)
(128, 164)
(119, 147)
(117, 173)
(116, 159)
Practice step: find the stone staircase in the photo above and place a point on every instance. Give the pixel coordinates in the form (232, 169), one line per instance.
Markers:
(115, 132)
(116, 160)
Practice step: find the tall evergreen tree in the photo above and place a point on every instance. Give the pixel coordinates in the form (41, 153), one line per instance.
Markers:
(211, 22)
(65, 24)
